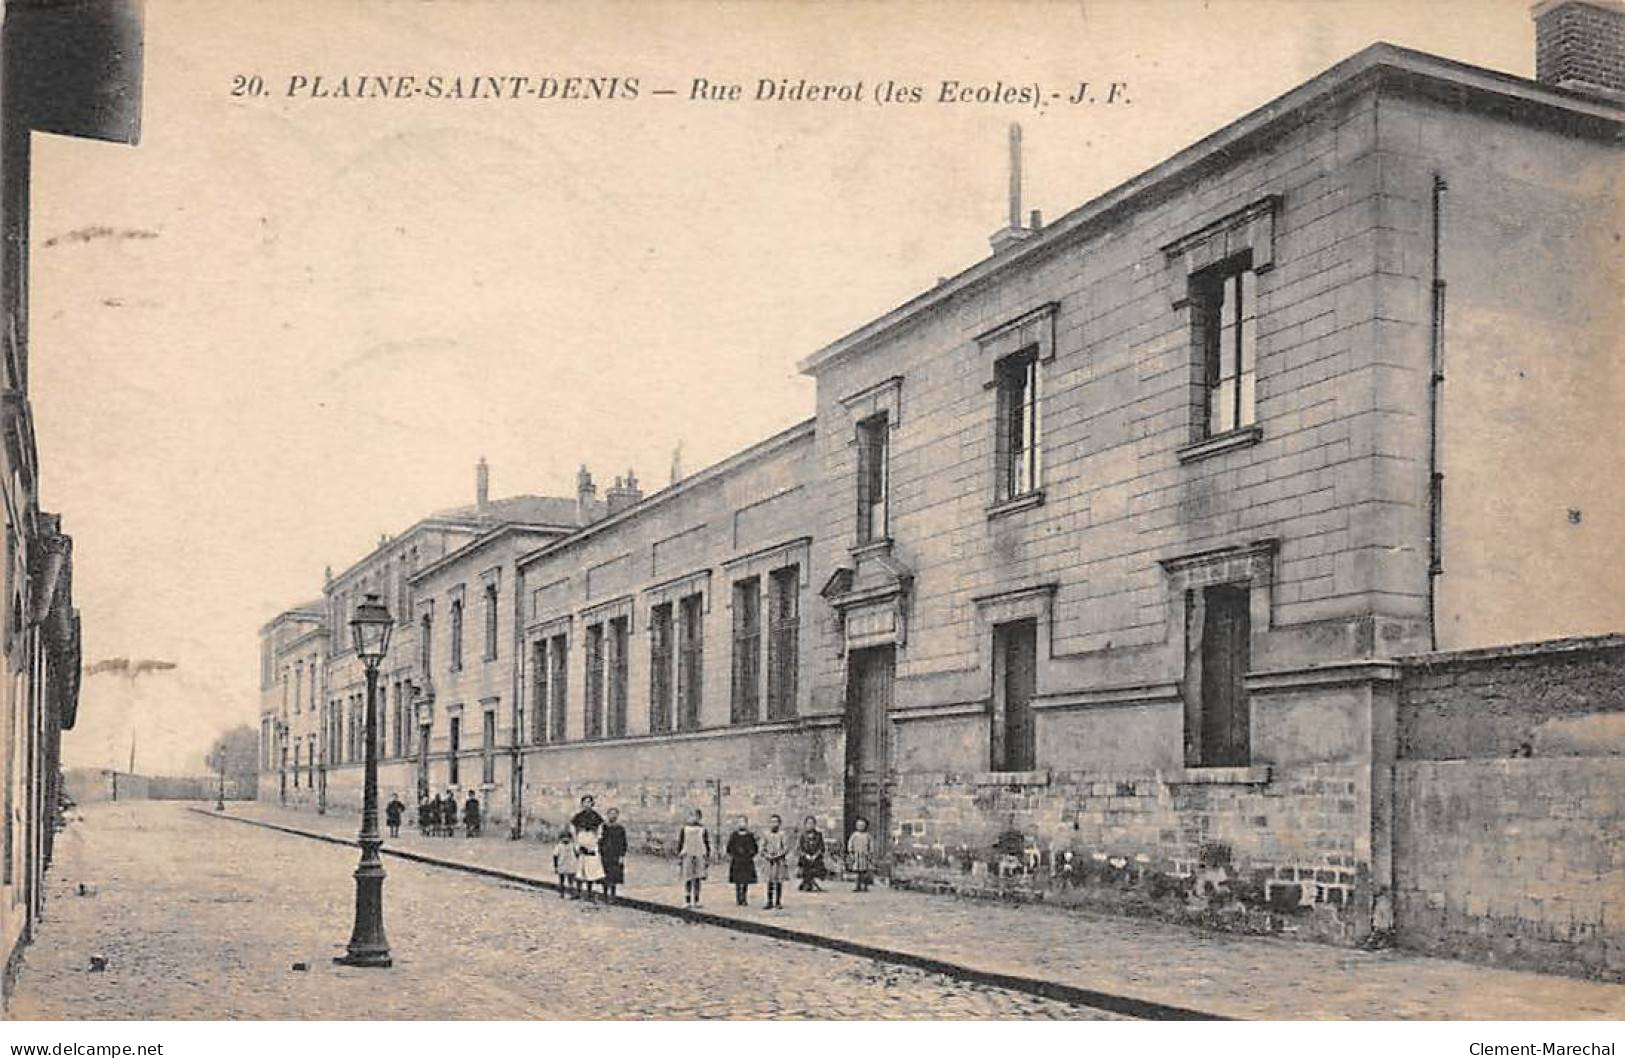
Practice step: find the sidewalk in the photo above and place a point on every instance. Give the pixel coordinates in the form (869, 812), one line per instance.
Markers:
(1220, 974)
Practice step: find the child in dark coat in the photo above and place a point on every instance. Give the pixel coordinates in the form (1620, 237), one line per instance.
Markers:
(612, 850)
(742, 848)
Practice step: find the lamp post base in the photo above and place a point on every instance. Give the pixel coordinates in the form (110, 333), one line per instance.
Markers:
(368, 946)
(380, 960)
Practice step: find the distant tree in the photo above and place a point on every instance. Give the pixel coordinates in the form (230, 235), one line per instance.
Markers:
(237, 753)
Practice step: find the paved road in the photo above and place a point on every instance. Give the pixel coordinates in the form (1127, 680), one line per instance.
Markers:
(1221, 973)
(200, 918)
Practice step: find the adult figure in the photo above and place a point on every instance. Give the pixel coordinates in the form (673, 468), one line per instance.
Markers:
(448, 814)
(392, 814)
(587, 826)
(471, 816)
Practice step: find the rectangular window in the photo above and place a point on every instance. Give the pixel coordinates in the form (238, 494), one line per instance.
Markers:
(872, 483)
(593, 724)
(747, 674)
(296, 744)
(538, 691)
(454, 743)
(690, 661)
(784, 641)
(558, 689)
(1015, 672)
(456, 634)
(619, 636)
(1225, 301)
(1017, 422)
(660, 659)
(490, 622)
(488, 748)
(426, 645)
(1224, 739)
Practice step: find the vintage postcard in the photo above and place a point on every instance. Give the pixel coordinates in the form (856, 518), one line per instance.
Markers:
(1011, 511)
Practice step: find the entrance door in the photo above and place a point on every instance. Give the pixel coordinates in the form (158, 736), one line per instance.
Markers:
(868, 743)
(423, 762)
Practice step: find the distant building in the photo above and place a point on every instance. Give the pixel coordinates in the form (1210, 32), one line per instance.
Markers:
(71, 69)
(1110, 545)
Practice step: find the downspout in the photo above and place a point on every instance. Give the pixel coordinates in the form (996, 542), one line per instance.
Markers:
(1435, 394)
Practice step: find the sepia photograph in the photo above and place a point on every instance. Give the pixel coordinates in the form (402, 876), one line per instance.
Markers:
(1019, 512)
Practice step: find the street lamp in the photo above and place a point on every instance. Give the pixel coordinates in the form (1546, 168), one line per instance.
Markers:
(369, 630)
(220, 799)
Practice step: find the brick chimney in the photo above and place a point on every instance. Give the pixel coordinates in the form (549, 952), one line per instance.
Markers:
(482, 488)
(624, 493)
(1580, 46)
(586, 496)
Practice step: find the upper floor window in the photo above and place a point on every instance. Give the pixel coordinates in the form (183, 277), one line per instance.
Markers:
(618, 644)
(426, 643)
(593, 722)
(873, 485)
(690, 660)
(456, 634)
(490, 622)
(1225, 303)
(1017, 424)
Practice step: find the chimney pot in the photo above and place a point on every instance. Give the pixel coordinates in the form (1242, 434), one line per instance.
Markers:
(482, 486)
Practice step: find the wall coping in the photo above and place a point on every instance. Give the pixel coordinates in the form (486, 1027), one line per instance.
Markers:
(1108, 697)
(977, 707)
(1537, 648)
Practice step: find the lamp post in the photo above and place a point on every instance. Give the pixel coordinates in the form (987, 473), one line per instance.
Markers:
(370, 627)
(220, 798)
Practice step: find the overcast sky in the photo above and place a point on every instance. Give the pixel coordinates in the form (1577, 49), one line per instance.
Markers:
(288, 325)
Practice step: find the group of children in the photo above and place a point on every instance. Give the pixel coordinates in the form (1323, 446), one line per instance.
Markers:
(436, 815)
(773, 847)
(592, 851)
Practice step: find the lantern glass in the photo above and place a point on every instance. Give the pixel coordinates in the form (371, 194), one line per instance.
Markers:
(370, 627)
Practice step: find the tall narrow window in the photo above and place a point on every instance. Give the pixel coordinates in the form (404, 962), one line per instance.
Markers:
(1015, 672)
(456, 634)
(1018, 425)
(593, 723)
(426, 644)
(454, 744)
(619, 637)
(872, 474)
(490, 622)
(747, 660)
(660, 660)
(538, 691)
(558, 685)
(488, 747)
(690, 661)
(1223, 738)
(784, 641)
(1226, 304)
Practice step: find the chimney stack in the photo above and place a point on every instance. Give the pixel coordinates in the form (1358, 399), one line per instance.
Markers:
(482, 487)
(623, 494)
(1013, 233)
(677, 463)
(1580, 46)
(586, 496)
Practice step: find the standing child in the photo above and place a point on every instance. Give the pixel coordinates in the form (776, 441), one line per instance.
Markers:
(612, 850)
(810, 860)
(392, 814)
(564, 864)
(693, 853)
(860, 854)
(775, 857)
(742, 849)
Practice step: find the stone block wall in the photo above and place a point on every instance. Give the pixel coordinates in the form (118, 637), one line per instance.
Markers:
(1514, 862)
(1263, 850)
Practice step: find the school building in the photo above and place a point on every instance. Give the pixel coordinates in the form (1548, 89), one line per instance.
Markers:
(1123, 566)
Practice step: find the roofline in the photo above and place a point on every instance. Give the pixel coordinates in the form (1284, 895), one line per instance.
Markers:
(1371, 64)
(417, 526)
(479, 542)
(759, 450)
(309, 615)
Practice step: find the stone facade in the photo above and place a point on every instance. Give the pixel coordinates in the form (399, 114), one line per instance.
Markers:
(1103, 552)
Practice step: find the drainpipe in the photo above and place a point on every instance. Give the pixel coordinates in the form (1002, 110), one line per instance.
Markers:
(1435, 394)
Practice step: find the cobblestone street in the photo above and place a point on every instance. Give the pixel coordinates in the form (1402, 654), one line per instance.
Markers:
(1218, 973)
(202, 918)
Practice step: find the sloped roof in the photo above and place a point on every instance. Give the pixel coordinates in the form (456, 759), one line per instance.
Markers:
(527, 510)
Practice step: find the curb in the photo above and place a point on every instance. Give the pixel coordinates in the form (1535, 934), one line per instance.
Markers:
(1033, 986)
